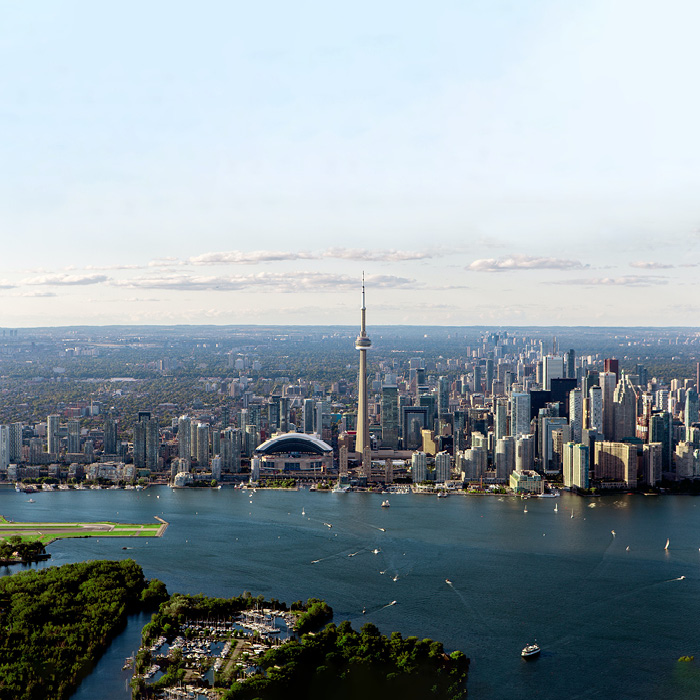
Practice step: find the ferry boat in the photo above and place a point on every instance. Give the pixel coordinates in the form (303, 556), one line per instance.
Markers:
(530, 651)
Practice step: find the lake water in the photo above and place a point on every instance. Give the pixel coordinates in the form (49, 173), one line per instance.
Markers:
(611, 621)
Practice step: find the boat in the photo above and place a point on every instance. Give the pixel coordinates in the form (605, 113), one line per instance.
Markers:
(442, 494)
(448, 582)
(525, 510)
(667, 543)
(376, 551)
(530, 651)
(31, 500)
(385, 504)
(303, 512)
(328, 525)
(556, 509)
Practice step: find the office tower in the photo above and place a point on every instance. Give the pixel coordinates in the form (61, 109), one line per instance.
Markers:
(109, 445)
(362, 343)
(548, 425)
(524, 452)
(4, 447)
(443, 467)
(203, 445)
(595, 408)
(519, 413)
(570, 364)
(146, 441)
(308, 419)
(477, 379)
(641, 372)
(690, 413)
(661, 430)
(184, 439)
(500, 418)
(576, 414)
(73, 437)
(323, 419)
(612, 365)
(419, 467)
(489, 374)
(390, 417)
(504, 458)
(552, 368)
(273, 414)
(443, 403)
(284, 414)
(53, 437)
(608, 382)
(414, 419)
(624, 410)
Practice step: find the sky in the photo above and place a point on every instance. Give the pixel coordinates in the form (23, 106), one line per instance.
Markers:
(483, 162)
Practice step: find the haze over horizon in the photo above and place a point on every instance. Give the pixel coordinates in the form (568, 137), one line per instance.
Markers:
(501, 163)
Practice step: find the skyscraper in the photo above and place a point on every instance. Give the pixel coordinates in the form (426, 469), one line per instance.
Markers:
(184, 437)
(110, 436)
(595, 396)
(625, 409)
(146, 441)
(73, 436)
(608, 381)
(519, 413)
(362, 343)
(52, 433)
(552, 368)
(390, 417)
(690, 413)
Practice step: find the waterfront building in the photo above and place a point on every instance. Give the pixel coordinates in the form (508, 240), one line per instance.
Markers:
(526, 482)
(4, 447)
(419, 467)
(203, 445)
(15, 442)
(294, 454)
(661, 430)
(616, 462)
(576, 465)
(109, 444)
(548, 425)
(504, 458)
(146, 441)
(651, 463)
(443, 466)
(524, 452)
(231, 451)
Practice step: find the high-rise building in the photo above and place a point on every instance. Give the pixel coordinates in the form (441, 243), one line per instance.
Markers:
(690, 412)
(576, 465)
(595, 408)
(443, 466)
(624, 410)
(661, 430)
(612, 365)
(53, 435)
(146, 441)
(390, 417)
(4, 447)
(419, 467)
(500, 418)
(362, 440)
(15, 442)
(524, 452)
(616, 461)
(519, 413)
(443, 403)
(308, 419)
(323, 419)
(552, 368)
(231, 450)
(570, 364)
(576, 414)
(73, 446)
(109, 445)
(184, 439)
(608, 382)
(504, 457)
(203, 445)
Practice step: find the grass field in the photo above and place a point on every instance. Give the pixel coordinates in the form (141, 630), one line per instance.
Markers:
(48, 532)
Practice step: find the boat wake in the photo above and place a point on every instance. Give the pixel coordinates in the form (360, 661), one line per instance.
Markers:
(680, 578)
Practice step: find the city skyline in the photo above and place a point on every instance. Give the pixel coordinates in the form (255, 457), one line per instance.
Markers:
(519, 164)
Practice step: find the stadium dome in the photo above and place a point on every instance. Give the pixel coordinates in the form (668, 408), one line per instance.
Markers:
(289, 443)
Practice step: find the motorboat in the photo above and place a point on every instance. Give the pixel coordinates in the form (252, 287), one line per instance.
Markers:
(385, 504)
(530, 651)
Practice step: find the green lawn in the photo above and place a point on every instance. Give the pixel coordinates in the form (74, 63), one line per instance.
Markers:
(48, 532)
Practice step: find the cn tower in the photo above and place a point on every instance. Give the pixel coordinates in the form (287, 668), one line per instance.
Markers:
(362, 443)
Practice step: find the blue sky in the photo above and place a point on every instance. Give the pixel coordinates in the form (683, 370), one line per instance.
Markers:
(484, 162)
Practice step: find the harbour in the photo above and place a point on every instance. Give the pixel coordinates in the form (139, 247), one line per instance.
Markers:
(476, 573)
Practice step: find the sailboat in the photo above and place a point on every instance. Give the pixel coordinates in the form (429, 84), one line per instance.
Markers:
(556, 507)
(525, 510)
(667, 543)
(572, 514)
(303, 512)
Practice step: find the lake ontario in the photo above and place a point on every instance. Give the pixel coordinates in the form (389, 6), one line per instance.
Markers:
(487, 575)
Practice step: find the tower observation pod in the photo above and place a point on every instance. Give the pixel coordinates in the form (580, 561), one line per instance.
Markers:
(362, 442)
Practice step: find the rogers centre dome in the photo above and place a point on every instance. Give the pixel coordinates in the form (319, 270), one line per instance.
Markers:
(295, 453)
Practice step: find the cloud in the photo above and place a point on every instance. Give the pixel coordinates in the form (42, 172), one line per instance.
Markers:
(524, 262)
(625, 280)
(4, 284)
(165, 262)
(34, 293)
(650, 265)
(113, 267)
(64, 280)
(267, 281)
(239, 257)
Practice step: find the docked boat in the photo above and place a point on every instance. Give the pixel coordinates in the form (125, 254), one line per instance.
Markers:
(385, 504)
(442, 494)
(530, 651)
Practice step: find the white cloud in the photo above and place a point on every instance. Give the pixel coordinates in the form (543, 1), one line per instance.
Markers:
(62, 279)
(524, 262)
(650, 265)
(267, 281)
(625, 280)
(34, 293)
